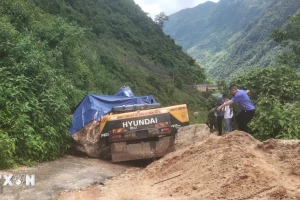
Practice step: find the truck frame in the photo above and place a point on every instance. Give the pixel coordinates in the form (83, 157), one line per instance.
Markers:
(141, 131)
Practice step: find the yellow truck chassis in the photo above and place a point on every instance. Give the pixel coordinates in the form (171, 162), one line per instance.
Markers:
(141, 134)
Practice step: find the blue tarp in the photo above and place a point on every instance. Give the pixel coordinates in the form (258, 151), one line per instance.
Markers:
(94, 106)
(125, 92)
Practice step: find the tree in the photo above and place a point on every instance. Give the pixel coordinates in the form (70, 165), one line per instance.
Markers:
(160, 19)
(289, 38)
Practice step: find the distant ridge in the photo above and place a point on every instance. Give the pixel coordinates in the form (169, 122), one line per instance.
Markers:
(231, 36)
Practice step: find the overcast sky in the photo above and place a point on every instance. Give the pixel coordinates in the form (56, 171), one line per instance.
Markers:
(154, 7)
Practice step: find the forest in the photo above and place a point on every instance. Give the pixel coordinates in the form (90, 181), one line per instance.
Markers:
(275, 90)
(231, 37)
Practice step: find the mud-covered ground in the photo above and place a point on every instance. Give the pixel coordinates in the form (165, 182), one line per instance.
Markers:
(203, 167)
(64, 174)
(208, 167)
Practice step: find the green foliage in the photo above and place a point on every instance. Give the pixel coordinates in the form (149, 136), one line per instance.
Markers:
(281, 82)
(276, 93)
(52, 53)
(34, 96)
(275, 119)
(199, 118)
(233, 37)
(129, 43)
(288, 36)
(7, 150)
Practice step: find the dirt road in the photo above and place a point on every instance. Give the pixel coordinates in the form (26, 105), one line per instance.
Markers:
(64, 174)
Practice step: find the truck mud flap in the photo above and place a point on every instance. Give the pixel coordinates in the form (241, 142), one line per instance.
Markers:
(142, 150)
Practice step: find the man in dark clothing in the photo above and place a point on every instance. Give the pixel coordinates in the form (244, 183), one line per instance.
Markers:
(220, 117)
(211, 120)
(247, 107)
(236, 111)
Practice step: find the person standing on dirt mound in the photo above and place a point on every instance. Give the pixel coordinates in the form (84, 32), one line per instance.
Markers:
(228, 113)
(247, 107)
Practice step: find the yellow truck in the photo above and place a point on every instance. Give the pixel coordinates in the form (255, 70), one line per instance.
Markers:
(140, 131)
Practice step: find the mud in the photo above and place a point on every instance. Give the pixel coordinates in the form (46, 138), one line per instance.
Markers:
(204, 166)
(68, 173)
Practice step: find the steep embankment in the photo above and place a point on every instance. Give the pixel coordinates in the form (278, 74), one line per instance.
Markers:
(205, 166)
(231, 36)
(132, 49)
(52, 53)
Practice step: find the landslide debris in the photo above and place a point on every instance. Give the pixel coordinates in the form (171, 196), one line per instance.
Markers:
(206, 166)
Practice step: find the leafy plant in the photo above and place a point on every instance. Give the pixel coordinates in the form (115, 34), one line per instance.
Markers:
(7, 150)
(276, 120)
(275, 91)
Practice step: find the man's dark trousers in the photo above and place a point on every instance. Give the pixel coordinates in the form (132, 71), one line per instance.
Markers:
(243, 119)
(219, 124)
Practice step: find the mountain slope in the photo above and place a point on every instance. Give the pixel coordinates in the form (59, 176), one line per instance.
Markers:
(130, 45)
(52, 53)
(232, 36)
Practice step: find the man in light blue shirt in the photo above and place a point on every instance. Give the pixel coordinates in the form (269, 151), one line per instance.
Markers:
(247, 107)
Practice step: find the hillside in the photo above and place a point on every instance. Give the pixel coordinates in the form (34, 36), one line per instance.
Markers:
(52, 53)
(231, 36)
(130, 47)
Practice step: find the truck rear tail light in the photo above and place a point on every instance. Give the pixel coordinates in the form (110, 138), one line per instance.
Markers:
(162, 124)
(119, 130)
(167, 129)
(117, 136)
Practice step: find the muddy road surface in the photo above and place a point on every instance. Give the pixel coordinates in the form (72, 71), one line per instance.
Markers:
(68, 173)
(205, 166)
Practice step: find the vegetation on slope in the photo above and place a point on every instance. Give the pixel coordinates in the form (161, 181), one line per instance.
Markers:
(288, 37)
(276, 93)
(231, 37)
(276, 90)
(52, 53)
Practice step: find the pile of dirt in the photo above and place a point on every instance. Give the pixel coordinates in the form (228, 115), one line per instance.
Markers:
(205, 166)
(188, 135)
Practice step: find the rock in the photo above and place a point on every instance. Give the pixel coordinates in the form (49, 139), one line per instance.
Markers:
(87, 140)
